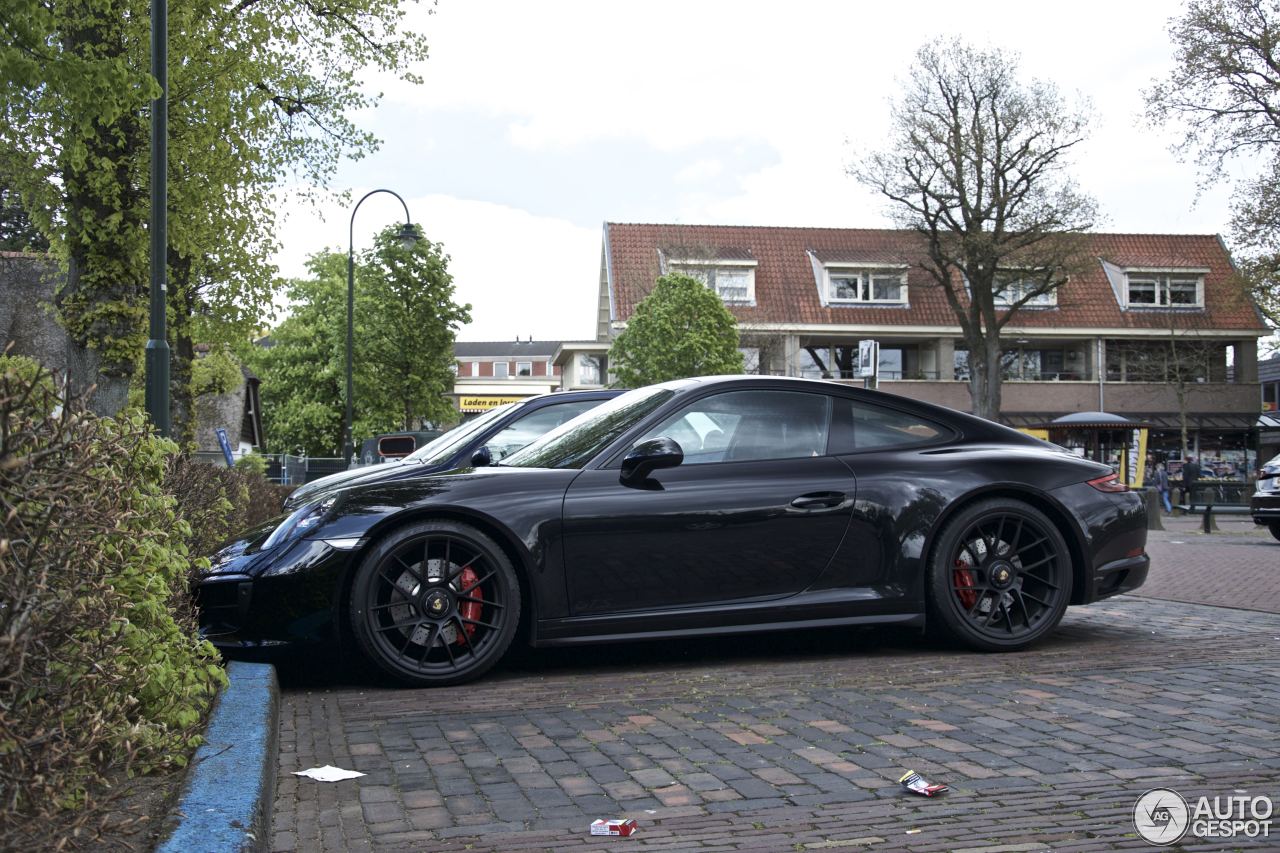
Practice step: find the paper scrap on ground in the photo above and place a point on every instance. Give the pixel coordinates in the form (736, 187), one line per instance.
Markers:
(916, 783)
(328, 773)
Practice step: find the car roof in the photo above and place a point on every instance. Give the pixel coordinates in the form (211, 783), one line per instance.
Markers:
(565, 396)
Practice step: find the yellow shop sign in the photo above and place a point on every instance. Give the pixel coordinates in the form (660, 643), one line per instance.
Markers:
(483, 403)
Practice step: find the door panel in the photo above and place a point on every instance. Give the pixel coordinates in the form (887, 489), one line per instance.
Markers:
(703, 533)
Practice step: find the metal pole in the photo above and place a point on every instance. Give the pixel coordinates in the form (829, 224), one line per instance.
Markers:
(347, 444)
(157, 354)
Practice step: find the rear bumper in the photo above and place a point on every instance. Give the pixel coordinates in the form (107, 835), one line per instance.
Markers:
(1120, 576)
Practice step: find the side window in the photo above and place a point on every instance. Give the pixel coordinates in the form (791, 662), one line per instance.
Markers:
(859, 426)
(520, 432)
(740, 426)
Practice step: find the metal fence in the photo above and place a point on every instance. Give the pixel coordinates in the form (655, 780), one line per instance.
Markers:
(285, 468)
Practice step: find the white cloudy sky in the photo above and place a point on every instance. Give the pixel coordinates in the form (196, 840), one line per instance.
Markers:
(538, 121)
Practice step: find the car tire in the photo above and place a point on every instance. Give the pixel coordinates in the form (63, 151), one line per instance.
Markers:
(435, 603)
(999, 576)
(1274, 527)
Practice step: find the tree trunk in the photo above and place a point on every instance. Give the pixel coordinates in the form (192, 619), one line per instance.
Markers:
(984, 377)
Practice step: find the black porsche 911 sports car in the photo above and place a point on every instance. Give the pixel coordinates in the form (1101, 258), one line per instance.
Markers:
(704, 506)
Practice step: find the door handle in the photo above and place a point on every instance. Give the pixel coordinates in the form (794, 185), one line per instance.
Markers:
(819, 500)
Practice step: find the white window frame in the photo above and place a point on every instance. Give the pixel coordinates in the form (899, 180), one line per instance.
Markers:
(506, 370)
(475, 368)
(1162, 280)
(866, 275)
(1019, 283)
(527, 366)
(705, 271)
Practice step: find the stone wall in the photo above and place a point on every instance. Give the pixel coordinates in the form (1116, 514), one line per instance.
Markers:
(27, 317)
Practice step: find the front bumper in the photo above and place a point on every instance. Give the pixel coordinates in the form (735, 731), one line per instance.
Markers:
(1265, 507)
(261, 606)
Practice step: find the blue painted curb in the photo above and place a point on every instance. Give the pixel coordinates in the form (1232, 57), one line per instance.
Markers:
(226, 803)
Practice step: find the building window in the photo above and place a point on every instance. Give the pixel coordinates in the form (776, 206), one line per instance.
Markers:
(866, 285)
(750, 359)
(734, 283)
(1164, 290)
(1010, 291)
(590, 369)
(501, 370)
(453, 368)
(524, 368)
(475, 368)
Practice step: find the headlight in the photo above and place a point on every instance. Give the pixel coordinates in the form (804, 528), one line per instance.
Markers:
(304, 519)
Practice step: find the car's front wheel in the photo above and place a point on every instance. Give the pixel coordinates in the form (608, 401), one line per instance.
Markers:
(435, 603)
(999, 576)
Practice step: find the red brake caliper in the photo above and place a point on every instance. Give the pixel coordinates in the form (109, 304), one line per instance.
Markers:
(468, 609)
(966, 588)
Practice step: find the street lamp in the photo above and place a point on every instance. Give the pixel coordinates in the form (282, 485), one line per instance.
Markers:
(408, 236)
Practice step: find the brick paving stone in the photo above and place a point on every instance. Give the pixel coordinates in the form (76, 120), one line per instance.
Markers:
(769, 745)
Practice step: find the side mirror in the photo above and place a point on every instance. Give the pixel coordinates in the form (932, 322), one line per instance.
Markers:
(647, 457)
(482, 458)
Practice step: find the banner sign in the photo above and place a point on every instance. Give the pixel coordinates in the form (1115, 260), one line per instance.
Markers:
(483, 403)
(226, 446)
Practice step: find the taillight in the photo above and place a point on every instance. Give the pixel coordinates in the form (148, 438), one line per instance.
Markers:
(1109, 483)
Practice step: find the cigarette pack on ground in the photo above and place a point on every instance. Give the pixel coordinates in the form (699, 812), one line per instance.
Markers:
(621, 826)
(916, 783)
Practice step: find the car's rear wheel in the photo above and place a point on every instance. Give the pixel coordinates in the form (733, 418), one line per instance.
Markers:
(1274, 527)
(999, 576)
(435, 603)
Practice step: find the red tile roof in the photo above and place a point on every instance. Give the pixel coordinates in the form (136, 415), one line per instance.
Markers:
(786, 291)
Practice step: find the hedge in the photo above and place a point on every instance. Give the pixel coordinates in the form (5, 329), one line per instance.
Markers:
(102, 670)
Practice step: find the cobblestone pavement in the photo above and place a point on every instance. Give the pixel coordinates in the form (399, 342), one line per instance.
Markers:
(1237, 567)
(796, 741)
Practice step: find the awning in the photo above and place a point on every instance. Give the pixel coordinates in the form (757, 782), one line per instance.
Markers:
(1155, 420)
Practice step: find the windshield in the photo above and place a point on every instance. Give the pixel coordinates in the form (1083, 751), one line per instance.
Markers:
(574, 444)
(451, 442)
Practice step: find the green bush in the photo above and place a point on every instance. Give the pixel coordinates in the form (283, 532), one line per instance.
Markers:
(101, 666)
(252, 463)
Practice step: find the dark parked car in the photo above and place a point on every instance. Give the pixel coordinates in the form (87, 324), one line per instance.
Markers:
(495, 434)
(1264, 506)
(702, 506)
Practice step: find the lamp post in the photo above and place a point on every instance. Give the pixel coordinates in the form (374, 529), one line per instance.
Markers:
(407, 236)
(157, 352)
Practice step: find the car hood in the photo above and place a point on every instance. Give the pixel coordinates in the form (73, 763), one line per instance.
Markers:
(385, 472)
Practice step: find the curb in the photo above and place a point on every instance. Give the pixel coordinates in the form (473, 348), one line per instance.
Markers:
(226, 801)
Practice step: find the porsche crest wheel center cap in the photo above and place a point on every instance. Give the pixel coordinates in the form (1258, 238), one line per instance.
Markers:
(436, 603)
(1001, 575)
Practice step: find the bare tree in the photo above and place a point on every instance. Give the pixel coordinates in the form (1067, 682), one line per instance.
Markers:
(1224, 96)
(975, 164)
(1182, 361)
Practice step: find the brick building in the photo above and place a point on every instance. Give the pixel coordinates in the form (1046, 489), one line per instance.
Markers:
(805, 297)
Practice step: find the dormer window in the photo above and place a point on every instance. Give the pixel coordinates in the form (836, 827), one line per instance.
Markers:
(1012, 289)
(847, 285)
(733, 281)
(1164, 288)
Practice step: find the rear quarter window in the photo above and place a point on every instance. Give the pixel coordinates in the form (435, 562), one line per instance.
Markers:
(857, 426)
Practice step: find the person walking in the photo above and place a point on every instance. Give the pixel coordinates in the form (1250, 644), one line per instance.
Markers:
(1162, 487)
(1190, 473)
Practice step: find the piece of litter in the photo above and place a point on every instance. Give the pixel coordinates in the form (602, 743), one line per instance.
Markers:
(328, 773)
(912, 831)
(917, 784)
(618, 826)
(650, 811)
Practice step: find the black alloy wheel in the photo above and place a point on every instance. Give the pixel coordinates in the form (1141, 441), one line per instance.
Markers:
(999, 577)
(435, 603)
